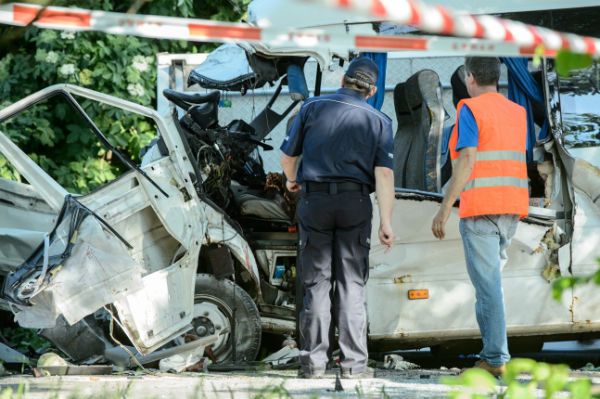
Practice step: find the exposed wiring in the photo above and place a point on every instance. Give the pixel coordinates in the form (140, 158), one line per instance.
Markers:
(110, 332)
(40, 279)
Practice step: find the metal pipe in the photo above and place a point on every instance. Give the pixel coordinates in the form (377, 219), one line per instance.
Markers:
(277, 326)
(318, 81)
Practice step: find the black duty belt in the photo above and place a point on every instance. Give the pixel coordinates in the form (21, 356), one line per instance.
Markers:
(334, 188)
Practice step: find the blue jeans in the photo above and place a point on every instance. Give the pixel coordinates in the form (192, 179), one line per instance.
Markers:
(485, 240)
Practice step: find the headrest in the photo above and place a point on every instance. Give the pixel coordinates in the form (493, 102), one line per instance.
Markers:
(459, 87)
(408, 96)
(400, 103)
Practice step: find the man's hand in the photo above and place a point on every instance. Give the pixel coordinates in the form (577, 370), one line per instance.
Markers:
(438, 227)
(386, 236)
(290, 167)
(292, 186)
(461, 172)
(384, 186)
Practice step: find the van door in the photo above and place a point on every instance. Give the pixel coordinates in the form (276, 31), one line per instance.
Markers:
(577, 111)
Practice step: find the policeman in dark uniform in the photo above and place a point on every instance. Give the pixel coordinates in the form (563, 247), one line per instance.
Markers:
(347, 153)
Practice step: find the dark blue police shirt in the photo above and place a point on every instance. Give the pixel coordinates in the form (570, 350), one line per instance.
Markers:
(341, 138)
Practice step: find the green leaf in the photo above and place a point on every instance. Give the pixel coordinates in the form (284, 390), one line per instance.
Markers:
(541, 372)
(40, 55)
(557, 380)
(596, 277)
(517, 366)
(537, 57)
(478, 378)
(515, 390)
(61, 111)
(85, 77)
(567, 61)
(560, 285)
(580, 389)
(6, 393)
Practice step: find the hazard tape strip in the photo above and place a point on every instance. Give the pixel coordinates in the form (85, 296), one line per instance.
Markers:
(490, 41)
(126, 24)
(440, 20)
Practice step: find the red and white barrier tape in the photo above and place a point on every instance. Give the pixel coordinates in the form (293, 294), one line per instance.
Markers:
(492, 36)
(126, 24)
(440, 20)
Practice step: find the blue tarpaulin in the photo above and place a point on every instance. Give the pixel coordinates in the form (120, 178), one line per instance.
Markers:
(523, 89)
(381, 60)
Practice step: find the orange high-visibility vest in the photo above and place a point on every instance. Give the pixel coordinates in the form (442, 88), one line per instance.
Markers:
(498, 184)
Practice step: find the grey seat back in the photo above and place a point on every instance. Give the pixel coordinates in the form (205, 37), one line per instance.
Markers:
(459, 92)
(417, 143)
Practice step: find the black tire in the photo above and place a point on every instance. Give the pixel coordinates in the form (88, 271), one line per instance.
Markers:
(218, 302)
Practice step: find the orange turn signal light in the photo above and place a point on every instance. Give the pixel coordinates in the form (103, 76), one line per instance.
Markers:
(418, 294)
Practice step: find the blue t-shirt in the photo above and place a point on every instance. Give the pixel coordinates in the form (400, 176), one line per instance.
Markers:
(341, 138)
(468, 133)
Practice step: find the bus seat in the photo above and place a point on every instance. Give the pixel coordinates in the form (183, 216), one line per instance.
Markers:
(417, 144)
(459, 92)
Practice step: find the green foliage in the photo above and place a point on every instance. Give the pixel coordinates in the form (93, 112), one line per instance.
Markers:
(123, 66)
(565, 283)
(273, 392)
(551, 378)
(21, 392)
(474, 384)
(7, 171)
(9, 393)
(566, 61)
(538, 55)
(25, 340)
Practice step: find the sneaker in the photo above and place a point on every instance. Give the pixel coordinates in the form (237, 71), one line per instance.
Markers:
(496, 371)
(366, 373)
(308, 374)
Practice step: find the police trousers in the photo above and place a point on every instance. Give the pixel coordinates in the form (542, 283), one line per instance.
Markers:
(335, 231)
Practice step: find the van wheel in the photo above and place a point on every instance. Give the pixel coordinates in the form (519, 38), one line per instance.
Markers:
(223, 307)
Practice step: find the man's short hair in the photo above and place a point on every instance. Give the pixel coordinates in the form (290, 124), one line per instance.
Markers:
(360, 87)
(485, 70)
(361, 75)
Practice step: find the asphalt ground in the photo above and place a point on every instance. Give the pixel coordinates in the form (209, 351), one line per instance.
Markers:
(413, 384)
(422, 382)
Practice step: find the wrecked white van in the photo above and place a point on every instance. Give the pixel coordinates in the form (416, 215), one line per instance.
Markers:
(127, 257)
(419, 294)
(200, 240)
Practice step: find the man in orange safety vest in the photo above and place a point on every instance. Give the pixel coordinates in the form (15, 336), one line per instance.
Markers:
(487, 148)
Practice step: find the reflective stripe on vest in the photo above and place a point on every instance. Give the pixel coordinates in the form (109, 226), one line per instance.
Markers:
(496, 182)
(501, 156)
(499, 180)
(498, 156)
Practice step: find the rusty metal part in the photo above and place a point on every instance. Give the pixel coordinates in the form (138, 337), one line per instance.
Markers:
(210, 354)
